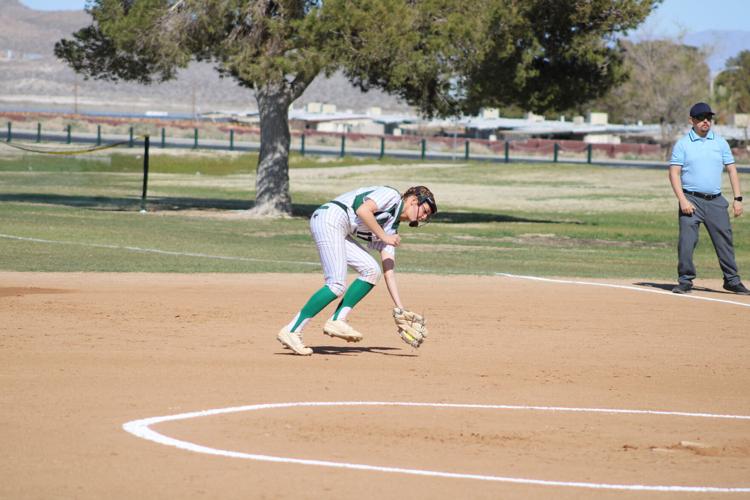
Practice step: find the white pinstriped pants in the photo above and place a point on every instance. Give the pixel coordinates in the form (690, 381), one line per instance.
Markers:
(329, 226)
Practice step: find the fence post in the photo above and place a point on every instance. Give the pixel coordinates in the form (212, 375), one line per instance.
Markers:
(146, 143)
(130, 142)
(9, 132)
(466, 150)
(231, 139)
(70, 139)
(507, 152)
(98, 135)
(424, 148)
(556, 149)
(382, 147)
(343, 145)
(195, 138)
(302, 144)
(38, 132)
(163, 138)
(588, 148)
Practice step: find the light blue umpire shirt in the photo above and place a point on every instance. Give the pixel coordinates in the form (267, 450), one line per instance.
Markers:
(702, 160)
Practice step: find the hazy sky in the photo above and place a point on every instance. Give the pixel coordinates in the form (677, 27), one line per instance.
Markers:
(674, 17)
(671, 18)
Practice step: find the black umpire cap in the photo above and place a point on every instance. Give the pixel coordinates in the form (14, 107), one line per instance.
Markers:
(701, 108)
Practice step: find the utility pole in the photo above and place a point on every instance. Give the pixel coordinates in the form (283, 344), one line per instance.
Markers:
(195, 116)
(75, 93)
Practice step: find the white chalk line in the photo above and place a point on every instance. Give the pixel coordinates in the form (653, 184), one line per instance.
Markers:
(624, 287)
(157, 251)
(141, 428)
(317, 264)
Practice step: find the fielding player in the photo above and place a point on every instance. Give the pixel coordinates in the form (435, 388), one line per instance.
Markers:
(371, 214)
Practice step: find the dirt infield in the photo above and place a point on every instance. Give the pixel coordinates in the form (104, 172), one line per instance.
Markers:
(82, 354)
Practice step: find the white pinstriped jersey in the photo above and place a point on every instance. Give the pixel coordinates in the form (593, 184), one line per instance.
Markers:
(390, 206)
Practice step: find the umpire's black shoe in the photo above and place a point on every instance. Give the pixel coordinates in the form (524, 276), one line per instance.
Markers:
(683, 288)
(737, 288)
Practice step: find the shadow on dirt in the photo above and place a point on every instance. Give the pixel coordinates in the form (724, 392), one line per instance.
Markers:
(331, 350)
(668, 287)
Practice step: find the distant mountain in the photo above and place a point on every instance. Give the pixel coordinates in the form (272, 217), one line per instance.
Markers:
(721, 44)
(32, 31)
(32, 78)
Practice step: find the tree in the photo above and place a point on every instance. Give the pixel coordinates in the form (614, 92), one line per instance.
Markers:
(733, 84)
(443, 56)
(665, 79)
(550, 55)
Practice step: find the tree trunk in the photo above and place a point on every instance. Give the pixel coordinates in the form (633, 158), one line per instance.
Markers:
(272, 197)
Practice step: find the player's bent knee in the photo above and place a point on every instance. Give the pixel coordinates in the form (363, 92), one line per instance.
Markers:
(337, 288)
(371, 276)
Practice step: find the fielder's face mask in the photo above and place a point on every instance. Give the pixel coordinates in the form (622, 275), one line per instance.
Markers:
(421, 200)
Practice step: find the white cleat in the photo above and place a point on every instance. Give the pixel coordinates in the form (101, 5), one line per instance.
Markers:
(293, 341)
(341, 329)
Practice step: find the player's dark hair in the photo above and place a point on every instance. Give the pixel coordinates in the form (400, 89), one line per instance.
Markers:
(424, 195)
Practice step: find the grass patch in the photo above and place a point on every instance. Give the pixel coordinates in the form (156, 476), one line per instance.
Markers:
(562, 220)
(168, 162)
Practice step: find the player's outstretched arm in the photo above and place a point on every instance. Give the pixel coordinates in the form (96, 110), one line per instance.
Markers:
(409, 325)
(389, 274)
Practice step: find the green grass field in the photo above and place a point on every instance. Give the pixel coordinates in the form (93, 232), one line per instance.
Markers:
(82, 214)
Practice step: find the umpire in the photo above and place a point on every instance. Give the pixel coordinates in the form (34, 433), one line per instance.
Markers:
(695, 169)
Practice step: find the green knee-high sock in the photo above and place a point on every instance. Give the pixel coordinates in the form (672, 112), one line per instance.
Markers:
(314, 305)
(353, 295)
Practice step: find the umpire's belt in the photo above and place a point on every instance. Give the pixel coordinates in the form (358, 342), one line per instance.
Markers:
(702, 195)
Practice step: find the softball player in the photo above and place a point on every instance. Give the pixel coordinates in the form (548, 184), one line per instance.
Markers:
(371, 214)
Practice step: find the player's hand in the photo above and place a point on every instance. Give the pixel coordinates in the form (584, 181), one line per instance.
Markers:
(737, 206)
(686, 207)
(392, 239)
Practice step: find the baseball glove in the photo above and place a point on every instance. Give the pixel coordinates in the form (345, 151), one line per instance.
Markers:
(411, 326)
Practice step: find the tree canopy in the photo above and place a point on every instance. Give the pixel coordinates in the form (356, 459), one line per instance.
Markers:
(666, 78)
(732, 85)
(443, 56)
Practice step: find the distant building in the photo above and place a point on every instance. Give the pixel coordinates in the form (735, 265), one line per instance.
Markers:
(328, 108)
(602, 139)
(598, 118)
(534, 117)
(596, 129)
(489, 113)
(325, 118)
(314, 107)
(741, 120)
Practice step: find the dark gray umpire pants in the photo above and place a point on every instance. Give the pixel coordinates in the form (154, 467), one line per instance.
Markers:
(712, 213)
